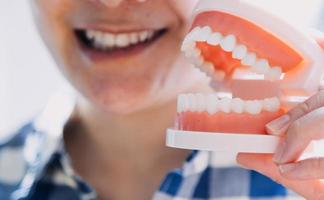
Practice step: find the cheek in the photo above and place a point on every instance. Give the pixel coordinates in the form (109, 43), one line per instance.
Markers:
(184, 8)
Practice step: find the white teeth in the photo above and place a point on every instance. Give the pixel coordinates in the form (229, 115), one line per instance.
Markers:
(271, 104)
(261, 66)
(239, 52)
(108, 40)
(188, 46)
(225, 105)
(200, 101)
(237, 105)
(122, 40)
(274, 74)
(181, 103)
(249, 59)
(204, 34)
(214, 39)
(104, 40)
(212, 104)
(192, 53)
(192, 103)
(143, 36)
(228, 43)
(193, 35)
(253, 107)
(133, 37)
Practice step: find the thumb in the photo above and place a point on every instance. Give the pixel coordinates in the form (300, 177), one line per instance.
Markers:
(280, 125)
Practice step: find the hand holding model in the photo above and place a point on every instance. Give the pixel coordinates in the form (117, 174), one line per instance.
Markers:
(299, 127)
(228, 44)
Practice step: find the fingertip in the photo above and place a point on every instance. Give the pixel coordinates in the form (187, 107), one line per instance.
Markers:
(278, 126)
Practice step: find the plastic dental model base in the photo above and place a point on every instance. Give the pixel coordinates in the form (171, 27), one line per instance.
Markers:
(222, 142)
(259, 65)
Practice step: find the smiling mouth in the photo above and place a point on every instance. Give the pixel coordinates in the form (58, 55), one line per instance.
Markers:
(108, 43)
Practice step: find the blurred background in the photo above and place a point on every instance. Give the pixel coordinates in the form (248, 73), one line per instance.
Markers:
(28, 75)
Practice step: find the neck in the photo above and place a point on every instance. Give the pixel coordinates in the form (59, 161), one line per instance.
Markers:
(128, 147)
(141, 133)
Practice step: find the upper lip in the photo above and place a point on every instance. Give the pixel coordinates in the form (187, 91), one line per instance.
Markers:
(118, 29)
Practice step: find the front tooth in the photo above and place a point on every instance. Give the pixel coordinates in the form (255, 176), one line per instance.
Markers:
(214, 39)
(225, 104)
(239, 52)
(133, 38)
(192, 103)
(237, 105)
(188, 45)
(100, 41)
(185, 103)
(192, 53)
(108, 40)
(122, 40)
(249, 59)
(143, 36)
(228, 43)
(253, 107)
(200, 101)
(261, 67)
(271, 104)
(212, 104)
(180, 103)
(274, 74)
(193, 35)
(204, 34)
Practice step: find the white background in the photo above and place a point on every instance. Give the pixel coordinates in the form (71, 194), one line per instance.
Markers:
(28, 76)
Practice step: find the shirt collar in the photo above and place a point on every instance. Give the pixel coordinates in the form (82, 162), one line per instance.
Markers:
(45, 138)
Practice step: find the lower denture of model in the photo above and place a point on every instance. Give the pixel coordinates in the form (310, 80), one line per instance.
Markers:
(222, 45)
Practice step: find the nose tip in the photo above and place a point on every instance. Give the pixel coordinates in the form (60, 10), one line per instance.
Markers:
(115, 3)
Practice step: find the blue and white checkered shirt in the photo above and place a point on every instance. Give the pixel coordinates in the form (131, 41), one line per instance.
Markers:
(34, 166)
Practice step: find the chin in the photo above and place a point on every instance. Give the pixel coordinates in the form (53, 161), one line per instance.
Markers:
(119, 98)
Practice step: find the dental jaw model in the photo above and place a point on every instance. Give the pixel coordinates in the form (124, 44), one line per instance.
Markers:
(260, 66)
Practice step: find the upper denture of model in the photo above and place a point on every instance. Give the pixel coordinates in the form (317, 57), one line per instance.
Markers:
(221, 43)
(228, 43)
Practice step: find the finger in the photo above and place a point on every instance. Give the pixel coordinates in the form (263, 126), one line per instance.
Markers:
(304, 170)
(280, 125)
(262, 163)
(299, 135)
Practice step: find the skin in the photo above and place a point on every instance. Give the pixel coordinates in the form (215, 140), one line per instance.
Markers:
(302, 125)
(118, 126)
(124, 104)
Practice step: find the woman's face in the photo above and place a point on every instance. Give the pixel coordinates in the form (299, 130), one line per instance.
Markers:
(122, 56)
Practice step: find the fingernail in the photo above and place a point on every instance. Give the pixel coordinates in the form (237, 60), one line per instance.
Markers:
(277, 157)
(276, 126)
(287, 168)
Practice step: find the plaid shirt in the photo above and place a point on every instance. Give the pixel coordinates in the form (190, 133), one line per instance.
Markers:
(34, 166)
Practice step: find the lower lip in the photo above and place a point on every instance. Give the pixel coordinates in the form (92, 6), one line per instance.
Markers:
(135, 50)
